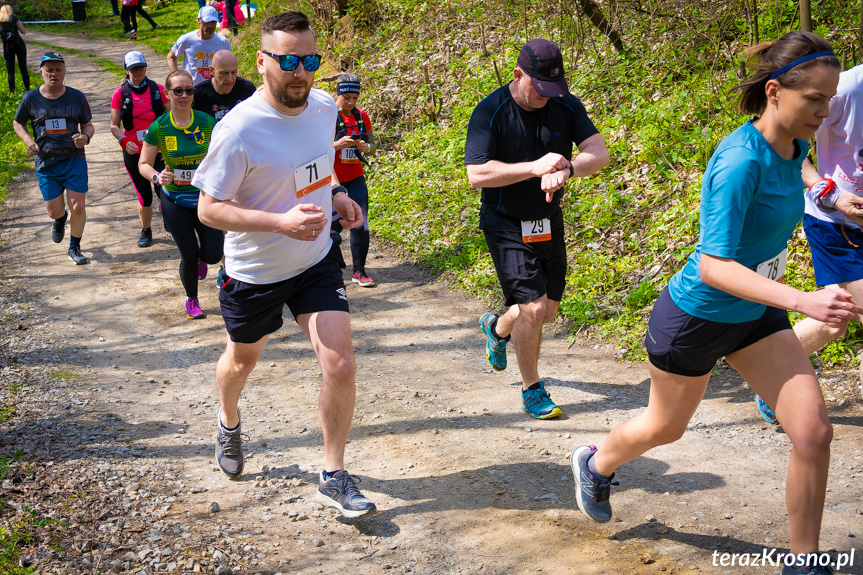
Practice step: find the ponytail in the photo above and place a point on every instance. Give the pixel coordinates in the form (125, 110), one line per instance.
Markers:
(779, 58)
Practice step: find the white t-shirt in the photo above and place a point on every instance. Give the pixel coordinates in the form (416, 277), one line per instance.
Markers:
(840, 144)
(198, 54)
(255, 158)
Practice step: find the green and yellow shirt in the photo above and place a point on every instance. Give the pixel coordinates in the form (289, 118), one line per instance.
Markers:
(183, 148)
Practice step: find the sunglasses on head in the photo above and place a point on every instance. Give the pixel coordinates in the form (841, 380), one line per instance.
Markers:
(181, 91)
(289, 62)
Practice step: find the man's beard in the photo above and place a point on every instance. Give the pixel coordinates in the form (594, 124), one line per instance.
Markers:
(288, 101)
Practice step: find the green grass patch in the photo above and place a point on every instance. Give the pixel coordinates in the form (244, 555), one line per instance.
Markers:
(11, 542)
(65, 374)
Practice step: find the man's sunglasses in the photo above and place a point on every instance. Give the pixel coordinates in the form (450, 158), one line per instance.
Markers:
(181, 91)
(289, 62)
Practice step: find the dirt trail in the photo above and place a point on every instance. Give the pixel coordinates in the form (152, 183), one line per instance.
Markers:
(465, 481)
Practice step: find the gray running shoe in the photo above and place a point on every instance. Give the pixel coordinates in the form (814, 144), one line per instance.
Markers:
(58, 228)
(76, 256)
(591, 492)
(229, 450)
(340, 491)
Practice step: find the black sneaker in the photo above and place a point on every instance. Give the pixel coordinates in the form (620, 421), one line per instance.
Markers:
(340, 491)
(146, 239)
(76, 256)
(229, 451)
(58, 230)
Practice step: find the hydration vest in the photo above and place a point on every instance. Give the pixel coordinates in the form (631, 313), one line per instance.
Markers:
(126, 102)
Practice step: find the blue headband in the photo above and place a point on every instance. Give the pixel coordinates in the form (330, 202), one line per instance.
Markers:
(347, 88)
(799, 61)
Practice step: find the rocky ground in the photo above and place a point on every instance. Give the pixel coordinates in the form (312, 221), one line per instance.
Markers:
(107, 465)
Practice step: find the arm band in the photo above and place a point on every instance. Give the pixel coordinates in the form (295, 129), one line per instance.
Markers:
(826, 193)
(123, 141)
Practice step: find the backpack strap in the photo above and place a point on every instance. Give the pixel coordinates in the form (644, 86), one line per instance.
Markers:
(126, 102)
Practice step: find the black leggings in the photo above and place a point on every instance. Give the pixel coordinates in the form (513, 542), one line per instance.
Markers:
(187, 230)
(360, 237)
(15, 48)
(128, 13)
(229, 12)
(142, 185)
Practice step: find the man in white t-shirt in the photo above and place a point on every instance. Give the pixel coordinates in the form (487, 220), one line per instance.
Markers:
(834, 212)
(198, 46)
(268, 180)
(833, 216)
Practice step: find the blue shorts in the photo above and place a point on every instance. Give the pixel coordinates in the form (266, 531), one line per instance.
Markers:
(683, 344)
(70, 174)
(835, 260)
(251, 311)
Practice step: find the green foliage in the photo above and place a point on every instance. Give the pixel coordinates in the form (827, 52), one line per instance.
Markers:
(662, 107)
(6, 462)
(13, 152)
(10, 543)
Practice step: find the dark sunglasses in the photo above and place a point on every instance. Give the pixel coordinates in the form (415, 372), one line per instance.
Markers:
(289, 62)
(181, 91)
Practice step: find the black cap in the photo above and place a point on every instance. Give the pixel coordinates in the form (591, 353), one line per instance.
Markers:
(542, 61)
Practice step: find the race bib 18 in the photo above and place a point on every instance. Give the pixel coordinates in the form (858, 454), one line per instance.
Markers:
(313, 175)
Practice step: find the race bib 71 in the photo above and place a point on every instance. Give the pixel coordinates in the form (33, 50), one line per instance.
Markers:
(312, 175)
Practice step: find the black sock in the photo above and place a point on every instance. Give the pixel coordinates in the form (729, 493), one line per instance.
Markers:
(494, 330)
(74, 242)
(533, 387)
(63, 219)
(328, 474)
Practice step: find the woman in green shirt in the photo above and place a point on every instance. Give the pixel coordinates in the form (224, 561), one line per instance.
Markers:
(183, 136)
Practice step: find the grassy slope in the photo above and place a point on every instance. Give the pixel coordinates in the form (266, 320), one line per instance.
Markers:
(662, 107)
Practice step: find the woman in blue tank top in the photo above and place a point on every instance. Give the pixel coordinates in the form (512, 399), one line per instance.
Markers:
(729, 299)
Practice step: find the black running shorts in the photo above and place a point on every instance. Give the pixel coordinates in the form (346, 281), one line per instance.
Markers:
(525, 271)
(251, 311)
(683, 344)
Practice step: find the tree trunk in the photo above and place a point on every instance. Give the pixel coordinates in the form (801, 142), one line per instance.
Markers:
(805, 16)
(592, 11)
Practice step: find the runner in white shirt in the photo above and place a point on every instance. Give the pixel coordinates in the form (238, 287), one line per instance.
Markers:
(198, 46)
(268, 181)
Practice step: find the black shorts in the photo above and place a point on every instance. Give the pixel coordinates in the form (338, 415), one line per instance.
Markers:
(526, 272)
(683, 344)
(251, 311)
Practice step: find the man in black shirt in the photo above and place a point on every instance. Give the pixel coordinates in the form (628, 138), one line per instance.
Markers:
(519, 151)
(225, 90)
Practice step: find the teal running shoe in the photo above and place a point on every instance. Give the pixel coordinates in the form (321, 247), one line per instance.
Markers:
(495, 348)
(591, 492)
(538, 403)
(765, 411)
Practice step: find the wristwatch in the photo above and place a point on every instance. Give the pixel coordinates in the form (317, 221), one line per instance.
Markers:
(155, 178)
(338, 189)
